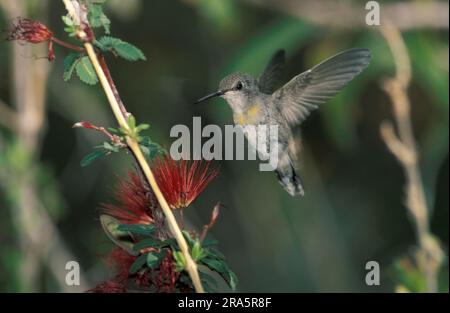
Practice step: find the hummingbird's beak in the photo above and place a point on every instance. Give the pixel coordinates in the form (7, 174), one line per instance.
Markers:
(216, 94)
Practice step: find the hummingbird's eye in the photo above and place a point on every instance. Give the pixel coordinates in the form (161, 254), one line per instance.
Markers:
(239, 86)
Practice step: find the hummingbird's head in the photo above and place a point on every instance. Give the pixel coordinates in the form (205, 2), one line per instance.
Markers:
(237, 89)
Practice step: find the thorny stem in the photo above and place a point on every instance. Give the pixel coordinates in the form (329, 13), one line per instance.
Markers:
(190, 266)
(429, 255)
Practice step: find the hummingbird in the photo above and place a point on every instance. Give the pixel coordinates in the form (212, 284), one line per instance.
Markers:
(259, 102)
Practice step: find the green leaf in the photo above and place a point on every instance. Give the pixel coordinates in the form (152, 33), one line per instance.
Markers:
(152, 260)
(129, 52)
(170, 242)
(93, 156)
(70, 28)
(188, 238)
(196, 251)
(233, 280)
(138, 229)
(142, 127)
(113, 131)
(67, 20)
(120, 238)
(86, 72)
(121, 48)
(138, 264)
(180, 261)
(207, 281)
(215, 265)
(150, 149)
(222, 268)
(108, 146)
(131, 121)
(145, 243)
(70, 63)
(97, 17)
(216, 253)
(207, 278)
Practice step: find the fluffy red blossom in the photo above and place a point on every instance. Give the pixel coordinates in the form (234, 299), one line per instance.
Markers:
(120, 261)
(167, 276)
(164, 279)
(27, 30)
(137, 202)
(181, 182)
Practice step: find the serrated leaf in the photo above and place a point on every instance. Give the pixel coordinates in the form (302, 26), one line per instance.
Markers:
(129, 52)
(138, 229)
(97, 17)
(70, 63)
(86, 72)
(121, 48)
(93, 156)
(138, 264)
(150, 148)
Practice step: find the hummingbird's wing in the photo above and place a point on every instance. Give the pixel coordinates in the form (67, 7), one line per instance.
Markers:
(306, 91)
(269, 79)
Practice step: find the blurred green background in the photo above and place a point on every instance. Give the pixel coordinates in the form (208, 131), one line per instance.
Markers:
(353, 211)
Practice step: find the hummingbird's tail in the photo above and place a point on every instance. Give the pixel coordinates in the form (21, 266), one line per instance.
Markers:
(288, 177)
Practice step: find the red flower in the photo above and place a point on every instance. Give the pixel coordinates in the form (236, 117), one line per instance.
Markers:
(167, 276)
(120, 261)
(137, 203)
(27, 30)
(182, 181)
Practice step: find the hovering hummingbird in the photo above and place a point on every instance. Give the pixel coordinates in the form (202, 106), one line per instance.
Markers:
(258, 102)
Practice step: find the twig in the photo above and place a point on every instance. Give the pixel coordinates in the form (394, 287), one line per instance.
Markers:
(403, 146)
(67, 45)
(118, 110)
(348, 15)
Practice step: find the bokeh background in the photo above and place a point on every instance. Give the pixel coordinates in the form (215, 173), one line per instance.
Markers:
(354, 209)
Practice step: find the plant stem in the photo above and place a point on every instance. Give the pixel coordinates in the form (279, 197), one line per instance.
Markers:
(118, 110)
(67, 45)
(105, 69)
(429, 255)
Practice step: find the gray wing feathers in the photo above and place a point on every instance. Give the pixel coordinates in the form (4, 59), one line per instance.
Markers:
(305, 92)
(269, 79)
